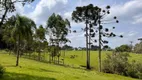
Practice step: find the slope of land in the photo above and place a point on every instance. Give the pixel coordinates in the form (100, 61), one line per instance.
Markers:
(33, 70)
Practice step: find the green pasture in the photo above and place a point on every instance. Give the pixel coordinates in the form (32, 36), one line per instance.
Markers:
(34, 70)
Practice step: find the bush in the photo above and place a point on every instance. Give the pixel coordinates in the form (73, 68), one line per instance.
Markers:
(2, 71)
(116, 63)
(135, 70)
(131, 70)
(139, 70)
(139, 75)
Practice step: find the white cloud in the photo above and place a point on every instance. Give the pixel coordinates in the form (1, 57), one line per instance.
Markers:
(68, 15)
(127, 11)
(137, 19)
(45, 8)
(19, 10)
(83, 2)
(77, 39)
(29, 6)
(121, 33)
(132, 33)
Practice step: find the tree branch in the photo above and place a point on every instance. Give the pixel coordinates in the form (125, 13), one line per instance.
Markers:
(4, 15)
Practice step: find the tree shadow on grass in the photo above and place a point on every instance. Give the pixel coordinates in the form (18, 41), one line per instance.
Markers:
(43, 70)
(16, 76)
(49, 70)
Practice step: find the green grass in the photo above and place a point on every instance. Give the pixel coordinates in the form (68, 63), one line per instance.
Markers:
(33, 70)
(81, 59)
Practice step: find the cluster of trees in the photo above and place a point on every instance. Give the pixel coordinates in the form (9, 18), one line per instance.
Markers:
(58, 28)
(67, 47)
(129, 48)
(96, 48)
(93, 48)
(20, 34)
(138, 48)
(8, 6)
(123, 48)
(94, 18)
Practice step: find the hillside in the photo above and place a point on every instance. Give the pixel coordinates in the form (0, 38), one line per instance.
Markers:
(33, 70)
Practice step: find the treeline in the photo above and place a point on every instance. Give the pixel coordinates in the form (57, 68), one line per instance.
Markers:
(21, 35)
(137, 48)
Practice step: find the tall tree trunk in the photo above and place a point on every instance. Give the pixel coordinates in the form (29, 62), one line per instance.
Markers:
(58, 59)
(39, 54)
(52, 57)
(29, 54)
(35, 54)
(89, 47)
(87, 52)
(10, 50)
(59, 52)
(64, 53)
(99, 57)
(4, 15)
(49, 58)
(18, 51)
(63, 61)
(44, 56)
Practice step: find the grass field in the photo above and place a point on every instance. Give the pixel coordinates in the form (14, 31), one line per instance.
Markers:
(33, 70)
(81, 58)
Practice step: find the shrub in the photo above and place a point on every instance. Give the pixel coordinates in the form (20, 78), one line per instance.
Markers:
(131, 70)
(2, 71)
(116, 63)
(135, 70)
(139, 70)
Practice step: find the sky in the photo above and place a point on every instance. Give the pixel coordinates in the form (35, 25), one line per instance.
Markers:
(128, 12)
